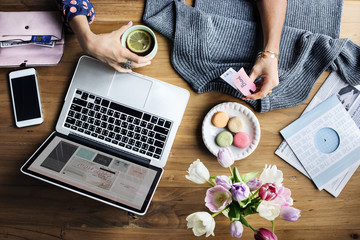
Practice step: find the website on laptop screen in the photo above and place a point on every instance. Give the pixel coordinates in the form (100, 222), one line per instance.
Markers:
(94, 173)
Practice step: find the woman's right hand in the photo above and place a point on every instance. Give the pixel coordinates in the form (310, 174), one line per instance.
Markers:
(107, 47)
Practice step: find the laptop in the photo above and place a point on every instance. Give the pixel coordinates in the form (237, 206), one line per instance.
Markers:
(113, 136)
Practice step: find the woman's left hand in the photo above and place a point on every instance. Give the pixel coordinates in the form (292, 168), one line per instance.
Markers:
(266, 68)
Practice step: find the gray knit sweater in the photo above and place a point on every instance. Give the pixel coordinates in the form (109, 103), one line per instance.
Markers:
(215, 35)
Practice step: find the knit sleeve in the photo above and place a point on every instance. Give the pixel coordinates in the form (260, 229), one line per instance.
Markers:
(71, 8)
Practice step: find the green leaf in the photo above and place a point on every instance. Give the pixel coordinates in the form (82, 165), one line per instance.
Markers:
(237, 176)
(248, 176)
(234, 212)
(243, 221)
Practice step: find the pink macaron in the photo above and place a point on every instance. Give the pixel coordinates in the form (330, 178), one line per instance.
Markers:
(241, 140)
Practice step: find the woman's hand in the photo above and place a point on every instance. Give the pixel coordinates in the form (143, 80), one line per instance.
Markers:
(107, 47)
(272, 14)
(266, 68)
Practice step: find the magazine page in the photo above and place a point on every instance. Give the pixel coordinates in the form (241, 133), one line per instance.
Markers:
(349, 97)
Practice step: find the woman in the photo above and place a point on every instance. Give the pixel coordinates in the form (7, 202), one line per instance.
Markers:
(107, 47)
(77, 15)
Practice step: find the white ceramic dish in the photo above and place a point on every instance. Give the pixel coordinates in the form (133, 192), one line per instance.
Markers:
(251, 127)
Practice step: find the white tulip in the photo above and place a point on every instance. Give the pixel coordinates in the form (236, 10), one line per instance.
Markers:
(198, 173)
(201, 223)
(272, 175)
(269, 210)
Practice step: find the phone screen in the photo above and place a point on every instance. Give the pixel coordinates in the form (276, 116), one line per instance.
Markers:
(26, 98)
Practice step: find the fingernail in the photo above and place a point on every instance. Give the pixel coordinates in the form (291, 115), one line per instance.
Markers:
(129, 23)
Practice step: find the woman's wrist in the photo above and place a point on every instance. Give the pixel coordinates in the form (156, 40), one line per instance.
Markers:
(81, 28)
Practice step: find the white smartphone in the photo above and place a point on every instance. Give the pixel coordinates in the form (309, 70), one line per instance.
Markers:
(25, 97)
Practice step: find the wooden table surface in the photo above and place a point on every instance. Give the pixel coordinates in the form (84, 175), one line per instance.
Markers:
(32, 209)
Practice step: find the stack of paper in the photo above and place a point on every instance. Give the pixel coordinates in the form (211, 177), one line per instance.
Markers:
(324, 143)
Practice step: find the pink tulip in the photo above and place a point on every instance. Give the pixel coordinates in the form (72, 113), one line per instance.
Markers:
(225, 157)
(268, 191)
(290, 214)
(264, 234)
(217, 198)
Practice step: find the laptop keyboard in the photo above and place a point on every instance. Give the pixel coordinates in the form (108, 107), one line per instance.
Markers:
(119, 125)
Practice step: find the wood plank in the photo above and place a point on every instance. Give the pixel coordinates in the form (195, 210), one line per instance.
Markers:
(31, 209)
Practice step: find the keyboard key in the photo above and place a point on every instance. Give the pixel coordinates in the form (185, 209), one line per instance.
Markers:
(84, 111)
(123, 117)
(158, 151)
(154, 119)
(97, 100)
(78, 123)
(136, 121)
(110, 112)
(143, 123)
(105, 103)
(161, 122)
(152, 149)
(70, 120)
(75, 107)
(97, 108)
(111, 135)
(132, 142)
(77, 115)
(103, 109)
(160, 137)
(97, 122)
(144, 131)
(159, 144)
(84, 96)
(146, 117)
(90, 105)
(91, 113)
(80, 102)
(151, 134)
(126, 110)
(150, 126)
(136, 149)
(167, 124)
(161, 130)
(116, 114)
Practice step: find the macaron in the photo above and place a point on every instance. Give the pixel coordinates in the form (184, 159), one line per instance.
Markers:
(235, 124)
(224, 139)
(220, 119)
(241, 139)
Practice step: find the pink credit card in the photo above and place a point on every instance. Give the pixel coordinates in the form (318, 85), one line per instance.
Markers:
(244, 83)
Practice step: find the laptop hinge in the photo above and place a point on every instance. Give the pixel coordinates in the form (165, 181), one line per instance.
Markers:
(109, 149)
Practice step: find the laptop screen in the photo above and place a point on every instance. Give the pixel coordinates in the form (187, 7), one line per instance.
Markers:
(94, 173)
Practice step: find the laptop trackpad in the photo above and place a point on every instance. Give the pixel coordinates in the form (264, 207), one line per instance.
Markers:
(129, 89)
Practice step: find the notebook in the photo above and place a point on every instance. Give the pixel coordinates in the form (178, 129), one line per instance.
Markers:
(113, 136)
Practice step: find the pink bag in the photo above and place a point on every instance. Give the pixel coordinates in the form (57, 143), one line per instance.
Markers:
(22, 26)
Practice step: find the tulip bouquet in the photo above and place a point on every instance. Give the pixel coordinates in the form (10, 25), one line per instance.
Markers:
(240, 195)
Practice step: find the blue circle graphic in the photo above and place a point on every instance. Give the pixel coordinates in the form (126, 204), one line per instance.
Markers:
(326, 140)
